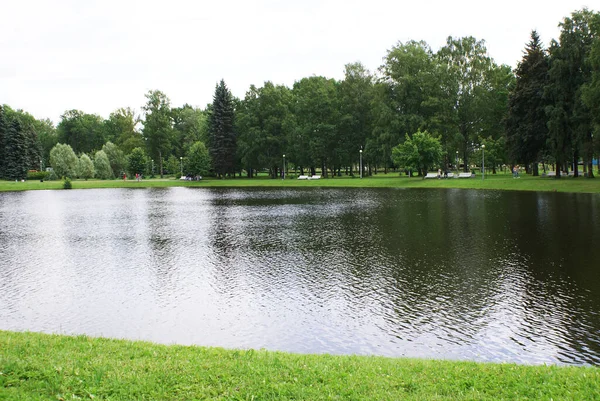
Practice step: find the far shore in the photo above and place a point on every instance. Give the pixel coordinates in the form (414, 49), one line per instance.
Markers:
(500, 181)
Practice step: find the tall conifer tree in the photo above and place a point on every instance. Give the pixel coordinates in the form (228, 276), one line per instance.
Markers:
(2, 141)
(15, 152)
(222, 138)
(526, 129)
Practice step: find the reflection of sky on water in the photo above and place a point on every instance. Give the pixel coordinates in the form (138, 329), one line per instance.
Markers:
(487, 276)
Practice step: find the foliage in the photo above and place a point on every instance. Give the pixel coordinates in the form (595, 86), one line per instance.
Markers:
(173, 166)
(526, 125)
(158, 126)
(102, 166)
(569, 118)
(421, 152)
(136, 161)
(14, 154)
(221, 132)
(63, 160)
(85, 168)
(37, 175)
(67, 184)
(83, 132)
(315, 141)
(116, 158)
(198, 160)
(264, 122)
(190, 125)
(120, 128)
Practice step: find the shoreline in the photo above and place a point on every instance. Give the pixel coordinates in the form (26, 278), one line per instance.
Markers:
(502, 182)
(45, 366)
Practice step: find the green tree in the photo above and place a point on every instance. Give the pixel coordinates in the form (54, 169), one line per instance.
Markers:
(28, 134)
(63, 160)
(3, 129)
(467, 66)
(198, 160)
(83, 132)
(121, 128)
(317, 140)
(591, 93)
(263, 121)
(102, 166)
(15, 151)
(355, 97)
(190, 125)
(116, 158)
(421, 152)
(47, 137)
(526, 124)
(221, 132)
(158, 126)
(85, 167)
(570, 119)
(137, 161)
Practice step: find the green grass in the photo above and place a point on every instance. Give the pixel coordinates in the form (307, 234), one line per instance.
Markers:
(498, 182)
(53, 367)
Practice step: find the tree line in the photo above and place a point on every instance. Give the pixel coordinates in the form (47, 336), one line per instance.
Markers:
(453, 101)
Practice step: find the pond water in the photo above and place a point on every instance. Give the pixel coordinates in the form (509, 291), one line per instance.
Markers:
(457, 274)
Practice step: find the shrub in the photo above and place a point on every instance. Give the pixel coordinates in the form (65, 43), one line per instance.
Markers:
(37, 175)
(67, 183)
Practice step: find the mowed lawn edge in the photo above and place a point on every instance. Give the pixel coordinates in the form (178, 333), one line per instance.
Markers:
(36, 366)
(491, 182)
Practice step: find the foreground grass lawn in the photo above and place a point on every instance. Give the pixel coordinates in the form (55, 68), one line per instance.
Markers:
(497, 182)
(51, 367)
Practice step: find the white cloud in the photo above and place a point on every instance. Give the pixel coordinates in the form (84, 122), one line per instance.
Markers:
(100, 55)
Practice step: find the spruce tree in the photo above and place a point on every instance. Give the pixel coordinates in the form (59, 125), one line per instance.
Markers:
(222, 138)
(15, 152)
(2, 142)
(526, 129)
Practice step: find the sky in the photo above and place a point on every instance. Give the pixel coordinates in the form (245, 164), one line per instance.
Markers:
(98, 56)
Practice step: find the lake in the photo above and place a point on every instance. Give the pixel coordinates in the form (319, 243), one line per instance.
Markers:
(453, 274)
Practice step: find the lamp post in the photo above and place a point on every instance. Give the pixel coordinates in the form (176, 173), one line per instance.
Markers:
(283, 168)
(360, 153)
(482, 162)
(41, 165)
(457, 162)
(152, 168)
(181, 162)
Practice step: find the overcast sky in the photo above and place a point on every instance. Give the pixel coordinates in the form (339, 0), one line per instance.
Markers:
(97, 56)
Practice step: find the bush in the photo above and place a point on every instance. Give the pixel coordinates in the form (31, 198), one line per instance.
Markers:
(67, 183)
(37, 175)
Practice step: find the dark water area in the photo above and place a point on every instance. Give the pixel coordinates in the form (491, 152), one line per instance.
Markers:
(457, 274)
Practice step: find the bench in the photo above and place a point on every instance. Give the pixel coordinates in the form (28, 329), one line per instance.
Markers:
(432, 175)
(465, 175)
(314, 177)
(450, 175)
(303, 177)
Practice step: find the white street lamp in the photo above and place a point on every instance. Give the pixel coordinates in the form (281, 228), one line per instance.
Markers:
(360, 152)
(482, 162)
(181, 162)
(283, 167)
(457, 162)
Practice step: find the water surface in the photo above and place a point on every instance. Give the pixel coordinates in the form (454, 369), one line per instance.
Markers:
(459, 274)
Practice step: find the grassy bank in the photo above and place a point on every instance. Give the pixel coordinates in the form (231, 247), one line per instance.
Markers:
(43, 367)
(499, 182)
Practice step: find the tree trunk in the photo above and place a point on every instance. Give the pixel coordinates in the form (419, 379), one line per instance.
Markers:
(536, 170)
(161, 163)
(575, 166)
